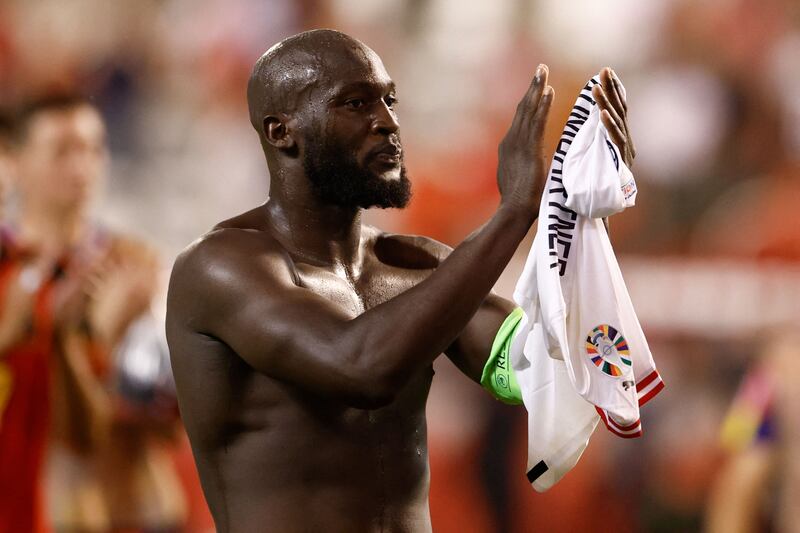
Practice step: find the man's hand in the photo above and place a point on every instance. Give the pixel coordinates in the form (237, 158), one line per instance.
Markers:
(521, 169)
(614, 113)
(121, 291)
(107, 289)
(71, 294)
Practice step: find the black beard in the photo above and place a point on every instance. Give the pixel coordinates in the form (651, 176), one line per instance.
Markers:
(337, 179)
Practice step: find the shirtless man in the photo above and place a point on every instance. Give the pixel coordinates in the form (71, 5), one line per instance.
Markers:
(301, 339)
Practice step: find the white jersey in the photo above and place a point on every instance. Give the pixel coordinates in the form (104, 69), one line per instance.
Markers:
(582, 355)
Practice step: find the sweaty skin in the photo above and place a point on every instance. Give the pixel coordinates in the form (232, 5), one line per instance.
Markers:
(302, 340)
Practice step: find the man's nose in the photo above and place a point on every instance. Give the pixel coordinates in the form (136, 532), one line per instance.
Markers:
(83, 167)
(385, 121)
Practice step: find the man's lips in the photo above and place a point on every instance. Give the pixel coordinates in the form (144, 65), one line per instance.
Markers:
(390, 153)
(386, 158)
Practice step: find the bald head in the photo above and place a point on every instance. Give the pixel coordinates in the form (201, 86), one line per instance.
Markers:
(283, 76)
(323, 106)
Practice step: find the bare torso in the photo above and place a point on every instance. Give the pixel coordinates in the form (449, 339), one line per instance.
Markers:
(274, 457)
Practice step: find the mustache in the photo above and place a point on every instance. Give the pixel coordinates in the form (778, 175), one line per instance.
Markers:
(392, 148)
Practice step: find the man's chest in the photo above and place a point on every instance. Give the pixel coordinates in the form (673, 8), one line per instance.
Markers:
(373, 285)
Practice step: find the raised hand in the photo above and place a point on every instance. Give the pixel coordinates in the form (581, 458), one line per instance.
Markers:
(71, 294)
(614, 113)
(521, 169)
(121, 290)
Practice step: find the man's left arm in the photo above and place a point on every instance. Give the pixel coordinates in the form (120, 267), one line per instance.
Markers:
(472, 348)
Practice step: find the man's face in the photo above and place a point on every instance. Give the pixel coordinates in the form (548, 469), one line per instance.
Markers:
(352, 152)
(63, 157)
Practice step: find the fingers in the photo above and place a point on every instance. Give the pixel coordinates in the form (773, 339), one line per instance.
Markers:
(617, 107)
(608, 95)
(534, 94)
(543, 112)
(613, 91)
(601, 97)
(614, 131)
(620, 92)
(530, 102)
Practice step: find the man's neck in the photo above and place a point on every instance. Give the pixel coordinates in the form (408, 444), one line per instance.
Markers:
(323, 234)
(50, 229)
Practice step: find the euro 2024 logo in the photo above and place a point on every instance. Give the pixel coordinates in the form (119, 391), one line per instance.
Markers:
(609, 352)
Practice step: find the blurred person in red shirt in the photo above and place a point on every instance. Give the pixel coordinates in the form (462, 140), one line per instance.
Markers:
(68, 292)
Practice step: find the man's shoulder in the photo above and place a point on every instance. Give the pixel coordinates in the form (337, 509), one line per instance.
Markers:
(413, 251)
(231, 249)
(254, 220)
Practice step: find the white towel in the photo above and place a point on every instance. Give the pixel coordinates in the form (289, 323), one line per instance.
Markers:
(582, 355)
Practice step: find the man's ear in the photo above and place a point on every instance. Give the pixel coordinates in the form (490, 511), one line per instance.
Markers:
(277, 133)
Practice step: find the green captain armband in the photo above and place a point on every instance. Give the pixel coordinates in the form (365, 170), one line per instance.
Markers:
(498, 377)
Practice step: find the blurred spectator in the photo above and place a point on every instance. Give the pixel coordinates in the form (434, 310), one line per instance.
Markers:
(758, 488)
(72, 289)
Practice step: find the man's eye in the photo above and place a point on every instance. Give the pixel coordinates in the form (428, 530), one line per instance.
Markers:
(391, 101)
(354, 103)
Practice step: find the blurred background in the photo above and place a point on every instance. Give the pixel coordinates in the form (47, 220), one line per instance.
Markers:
(711, 253)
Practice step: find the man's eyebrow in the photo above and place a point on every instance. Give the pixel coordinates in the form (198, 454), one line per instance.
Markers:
(365, 86)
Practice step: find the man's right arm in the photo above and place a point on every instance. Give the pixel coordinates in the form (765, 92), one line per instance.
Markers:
(250, 302)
